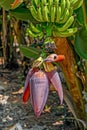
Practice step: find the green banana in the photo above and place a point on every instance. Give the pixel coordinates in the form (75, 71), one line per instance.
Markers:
(39, 12)
(45, 12)
(36, 2)
(63, 6)
(34, 29)
(40, 35)
(65, 16)
(67, 33)
(30, 33)
(66, 25)
(34, 35)
(56, 2)
(44, 2)
(50, 3)
(58, 14)
(33, 12)
(77, 4)
(67, 4)
(48, 40)
(72, 2)
(52, 13)
(72, 30)
(70, 11)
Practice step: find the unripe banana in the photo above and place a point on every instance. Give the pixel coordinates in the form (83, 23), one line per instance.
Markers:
(45, 13)
(63, 6)
(70, 11)
(52, 13)
(66, 25)
(39, 12)
(65, 16)
(33, 28)
(33, 12)
(72, 30)
(56, 2)
(72, 2)
(77, 4)
(58, 14)
(67, 33)
(44, 2)
(36, 2)
(50, 3)
(33, 34)
(30, 33)
(67, 4)
(48, 40)
(40, 35)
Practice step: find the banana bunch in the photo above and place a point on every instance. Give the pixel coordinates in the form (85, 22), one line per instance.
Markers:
(34, 32)
(66, 30)
(58, 12)
(66, 33)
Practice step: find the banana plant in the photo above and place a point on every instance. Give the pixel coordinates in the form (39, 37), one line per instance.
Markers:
(59, 20)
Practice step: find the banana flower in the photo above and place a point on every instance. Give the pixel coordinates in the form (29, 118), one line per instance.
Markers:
(37, 84)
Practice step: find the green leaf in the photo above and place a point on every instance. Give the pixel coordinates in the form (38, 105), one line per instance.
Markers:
(29, 52)
(80, 15)
(22, 13)
(6, 4)
(81, 43)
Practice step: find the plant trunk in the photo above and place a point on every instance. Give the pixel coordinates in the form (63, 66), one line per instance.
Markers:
(70, 69)
(19, 32)
(4, 35)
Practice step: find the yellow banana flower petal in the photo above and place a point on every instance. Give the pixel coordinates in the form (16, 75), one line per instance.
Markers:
(49, 66)
(37, 62)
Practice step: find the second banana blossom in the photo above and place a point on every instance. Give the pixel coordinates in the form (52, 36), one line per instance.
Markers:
(37, 84)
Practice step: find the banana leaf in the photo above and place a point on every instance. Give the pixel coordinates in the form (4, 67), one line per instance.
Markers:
(22, 13)
(80, 16)
(30, 52)
(6, 4)
(80, 44)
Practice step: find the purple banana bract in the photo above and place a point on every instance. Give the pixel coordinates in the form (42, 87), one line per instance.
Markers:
(26, 93)
(54, 58)
(38, 82)
(39, 89)
(56, 82)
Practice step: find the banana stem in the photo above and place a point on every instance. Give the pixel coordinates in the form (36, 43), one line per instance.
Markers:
(85, 71)
(69, 67)
(84, 10)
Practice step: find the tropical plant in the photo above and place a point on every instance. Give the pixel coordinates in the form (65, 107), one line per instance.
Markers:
(64, 24)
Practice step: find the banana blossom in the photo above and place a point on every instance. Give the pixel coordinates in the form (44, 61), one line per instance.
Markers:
(37, 85)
